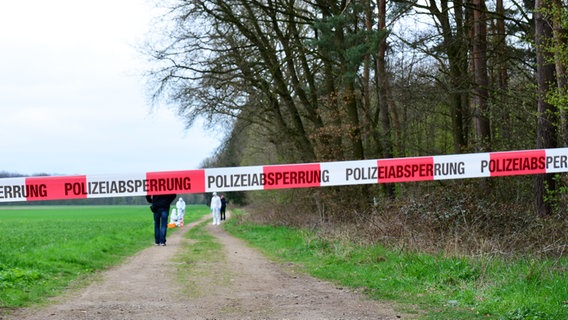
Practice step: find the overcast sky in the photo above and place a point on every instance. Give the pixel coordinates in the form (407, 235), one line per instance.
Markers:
(72, 98)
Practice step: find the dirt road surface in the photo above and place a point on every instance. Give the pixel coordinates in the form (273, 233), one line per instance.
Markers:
(243, 285)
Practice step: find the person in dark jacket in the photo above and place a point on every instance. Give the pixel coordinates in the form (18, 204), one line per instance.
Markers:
(161, 208)
(223, 207)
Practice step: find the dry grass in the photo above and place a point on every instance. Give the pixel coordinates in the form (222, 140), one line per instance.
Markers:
(461, 220)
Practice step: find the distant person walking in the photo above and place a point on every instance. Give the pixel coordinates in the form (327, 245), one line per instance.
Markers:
(223, 207)
(216, 208)
(161, 209)
(180, 205)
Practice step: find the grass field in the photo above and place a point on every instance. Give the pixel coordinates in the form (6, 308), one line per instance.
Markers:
(44, 249)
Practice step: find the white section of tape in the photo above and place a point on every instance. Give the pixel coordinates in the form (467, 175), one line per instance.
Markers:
(556, 160)
(234, 179)
(460, 166)
(104, 186)
(14, 189)
(350, 172)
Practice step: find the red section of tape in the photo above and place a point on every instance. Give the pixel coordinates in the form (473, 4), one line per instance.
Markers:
(190, 181)
(516, 163)
(292, 176)
(406, 169)
(56, 188)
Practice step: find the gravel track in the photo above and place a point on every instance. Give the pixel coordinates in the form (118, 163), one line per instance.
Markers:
(242, 285)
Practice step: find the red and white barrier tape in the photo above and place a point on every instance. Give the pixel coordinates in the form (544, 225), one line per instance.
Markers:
(458, 166)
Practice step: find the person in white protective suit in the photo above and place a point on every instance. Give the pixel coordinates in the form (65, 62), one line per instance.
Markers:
(174, 217)
(216, 208)
(180, 205)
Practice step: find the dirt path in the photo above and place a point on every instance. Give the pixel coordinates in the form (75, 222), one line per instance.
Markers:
(244, 285)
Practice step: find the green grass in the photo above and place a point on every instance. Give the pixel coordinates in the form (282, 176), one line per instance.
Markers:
(197, 258)
(44, 249)
(442, 287)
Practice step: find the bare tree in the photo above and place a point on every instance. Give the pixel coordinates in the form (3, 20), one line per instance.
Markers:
(481, 87)
(547, 113)
(559, 17)
(450, 23)
(291, 66)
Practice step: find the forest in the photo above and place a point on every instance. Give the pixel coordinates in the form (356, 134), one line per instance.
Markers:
(294, 81)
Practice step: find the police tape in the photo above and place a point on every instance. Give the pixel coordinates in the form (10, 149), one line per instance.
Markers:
(307, 175)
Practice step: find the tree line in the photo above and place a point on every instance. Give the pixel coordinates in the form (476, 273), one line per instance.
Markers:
(320, 80)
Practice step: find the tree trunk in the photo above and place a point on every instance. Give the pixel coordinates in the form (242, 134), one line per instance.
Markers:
(547, 113)
(455, 47)
(481, 92)
(502, 73)
(382, 99)
(367, 121)
(560, 61)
